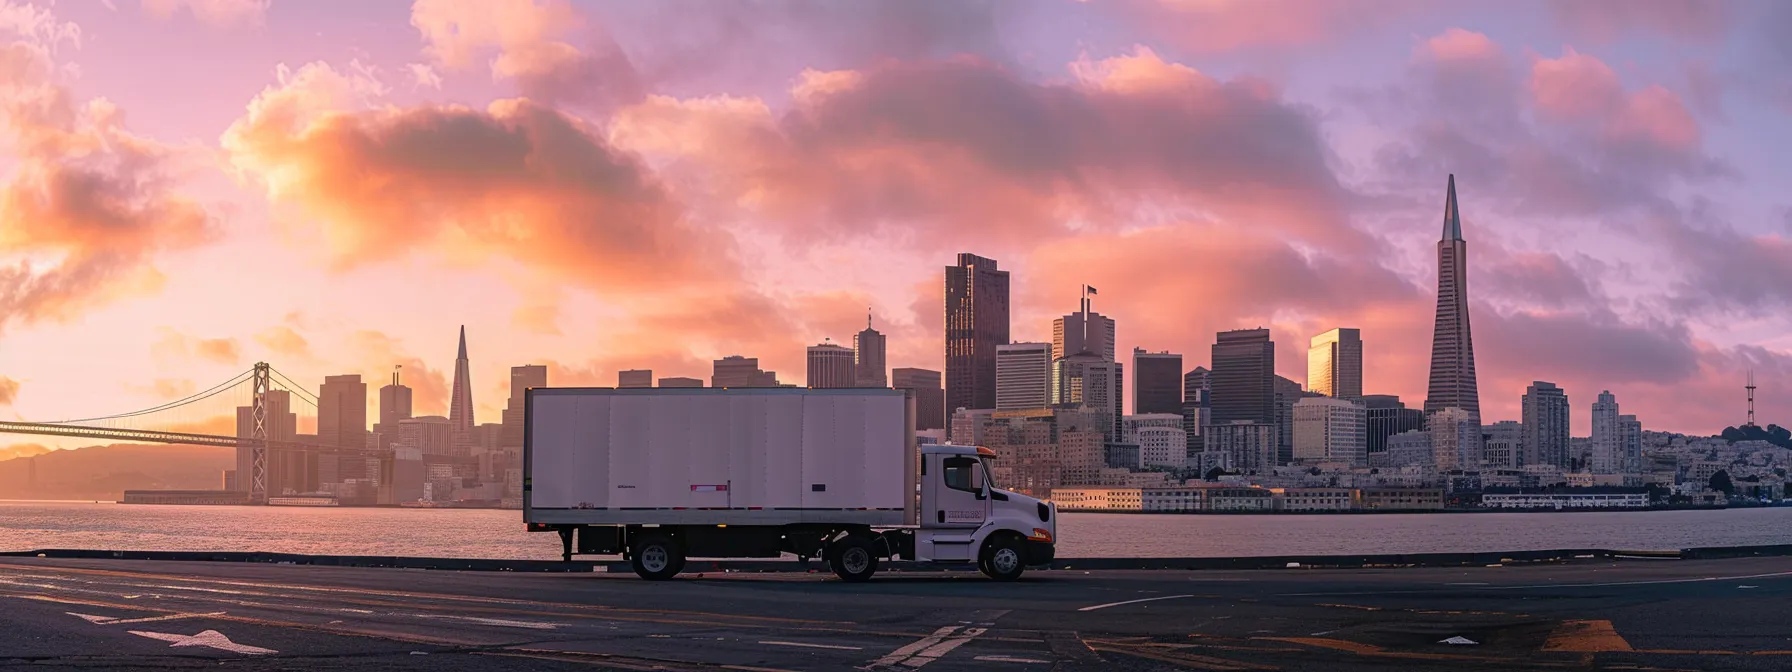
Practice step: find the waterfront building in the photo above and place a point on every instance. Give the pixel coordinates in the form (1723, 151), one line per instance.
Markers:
(1023, 376)
(1157, 382)
(1250, 446)
(976, 322)
(681, 382)
(1335, 364)
(1160, 437)
(1577, 498)
(831, 366)
(1411, 448)
(1452, 382)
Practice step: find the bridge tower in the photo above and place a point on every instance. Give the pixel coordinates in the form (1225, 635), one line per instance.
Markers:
(258, 448)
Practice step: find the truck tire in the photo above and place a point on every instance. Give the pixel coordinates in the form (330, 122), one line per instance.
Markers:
(853, 558)
(657, 557)
(1002, 559)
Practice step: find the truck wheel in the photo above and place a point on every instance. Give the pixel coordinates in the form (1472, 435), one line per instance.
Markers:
(657, 558)
(853, 558)
(1002, 559)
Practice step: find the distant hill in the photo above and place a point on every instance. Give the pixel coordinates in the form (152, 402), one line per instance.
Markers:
(19, 450)
(105, 472)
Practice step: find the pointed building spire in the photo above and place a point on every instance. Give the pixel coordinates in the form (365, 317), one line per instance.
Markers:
(463, 328)
(1452, 219)
(460, 401)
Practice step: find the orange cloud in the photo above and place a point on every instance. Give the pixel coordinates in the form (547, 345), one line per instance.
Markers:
(517, 180)
(166, 389)
(9, 390)
(88, 205)
(215, 13)
(534, 44)
(284, 341)
(19, 450)
(173, 347)
(217, 425)
(964, 152)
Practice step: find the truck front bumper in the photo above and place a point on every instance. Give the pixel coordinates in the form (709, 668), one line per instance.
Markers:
(1040, 552)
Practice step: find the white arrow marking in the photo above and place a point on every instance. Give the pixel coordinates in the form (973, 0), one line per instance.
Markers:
(1009, 659)
(108, 620)
(910, 649)
(209, 638)
(934, 652)
(813, 646)
(532, 625)
(90, 618)
(1147, 599)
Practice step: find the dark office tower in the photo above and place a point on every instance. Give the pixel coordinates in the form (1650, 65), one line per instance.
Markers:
(976, 322)
(1070, 335)
(1156, 382)
(930, 400)
(1195, 386)
(521, 379)
(342, 412)
(868, 357)
(460, 403)
(1452, 348)
(395, 405)
(1387, 416)
(1243, 378)
(1546, 425)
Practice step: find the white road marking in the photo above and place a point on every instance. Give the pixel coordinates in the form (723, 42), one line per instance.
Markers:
(1655, 582)
(1008, 659)
(1466, 584)
(209, 638)
(1147, 599)
(532, 625)
(814, 646)
(108, 620)
(913, 647)
(935, 652)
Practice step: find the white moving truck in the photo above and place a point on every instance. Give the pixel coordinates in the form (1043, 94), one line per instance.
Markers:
(659, 475)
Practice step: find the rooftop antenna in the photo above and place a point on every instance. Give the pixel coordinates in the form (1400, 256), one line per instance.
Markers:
(867, 317)
(1751, 397)
(395, 368)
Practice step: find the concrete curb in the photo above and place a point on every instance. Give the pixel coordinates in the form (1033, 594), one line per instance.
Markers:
(1069, 564)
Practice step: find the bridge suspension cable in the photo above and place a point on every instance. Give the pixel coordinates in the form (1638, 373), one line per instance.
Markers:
(294, 388)
(195, 398)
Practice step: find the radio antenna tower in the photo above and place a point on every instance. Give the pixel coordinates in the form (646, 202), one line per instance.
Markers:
(1751, 397)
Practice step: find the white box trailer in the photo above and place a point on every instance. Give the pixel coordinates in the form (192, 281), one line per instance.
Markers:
(660, 475)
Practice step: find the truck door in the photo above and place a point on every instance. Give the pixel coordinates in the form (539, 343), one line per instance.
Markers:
(959, 496)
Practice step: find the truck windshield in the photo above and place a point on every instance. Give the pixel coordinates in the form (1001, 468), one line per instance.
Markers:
(989, 472)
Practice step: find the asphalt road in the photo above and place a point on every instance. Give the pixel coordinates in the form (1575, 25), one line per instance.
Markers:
(1627, 614)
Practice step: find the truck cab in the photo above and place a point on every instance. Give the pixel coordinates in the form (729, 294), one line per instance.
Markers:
(964, 517)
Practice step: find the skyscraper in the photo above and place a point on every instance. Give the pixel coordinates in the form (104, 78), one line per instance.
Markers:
(831, 366)
(1387, 417)
(738, 371)
(1455, 440)
(1335, 364)
(1023, 376)
(1067, 335)
(1085, 380)
(1630, 443)
(460, 404)
(1287, 393)
(1608, 450)
(1329, 430)
(1156, 382)
(930, 400)
(976, 322)
(395, 405)
(342, 412)
(1452, 348)
(1545, 425)
(521, 379)
(868, 357)
(1195, 386)
(1243, 377)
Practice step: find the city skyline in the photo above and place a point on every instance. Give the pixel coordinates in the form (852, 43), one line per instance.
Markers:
(162, 307)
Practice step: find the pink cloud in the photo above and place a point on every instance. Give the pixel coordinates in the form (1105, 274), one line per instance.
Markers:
(1581, 87)
(1210, 26)
(549, 48)
(215, 13)
(1610, 20)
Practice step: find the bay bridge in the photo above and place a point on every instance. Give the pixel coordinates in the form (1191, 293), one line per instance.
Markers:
(189, 421)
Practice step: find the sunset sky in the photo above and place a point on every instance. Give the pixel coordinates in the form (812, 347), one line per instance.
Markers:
(335, 186)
